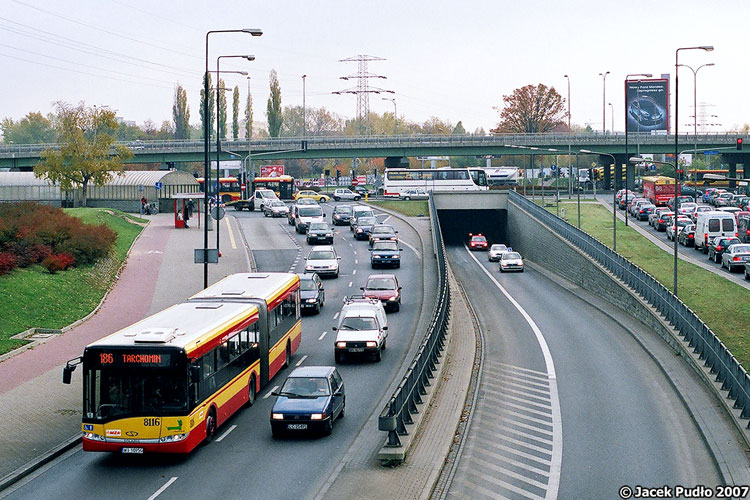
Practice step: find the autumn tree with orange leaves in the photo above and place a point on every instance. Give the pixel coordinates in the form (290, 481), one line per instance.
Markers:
(531, 109)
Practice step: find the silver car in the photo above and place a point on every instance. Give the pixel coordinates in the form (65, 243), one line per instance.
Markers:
(275, 208)
(511, 261)
(496, 251)
(323, 260)
(735, 256)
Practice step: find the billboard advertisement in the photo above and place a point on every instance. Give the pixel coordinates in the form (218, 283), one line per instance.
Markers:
(647, 105)
(271, 170)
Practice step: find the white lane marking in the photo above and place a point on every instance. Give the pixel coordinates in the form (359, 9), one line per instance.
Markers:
(301, 360)
(386, 219)
(336, 316)
(350, 283)
(354, 272)
(273, 389)
(355, 252)
(226, 433)
(556, 463)
(356, 261)
(413, 249)
(351, 245)
(161, 490)
(322, 335)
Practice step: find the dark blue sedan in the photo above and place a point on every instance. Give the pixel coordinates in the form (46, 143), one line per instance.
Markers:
(385, 253)
(311, 398)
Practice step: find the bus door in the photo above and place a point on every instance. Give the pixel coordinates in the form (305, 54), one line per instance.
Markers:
(285, 190)
(264, 341)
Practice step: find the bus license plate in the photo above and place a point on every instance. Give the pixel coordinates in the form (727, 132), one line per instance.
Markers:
(296, 427)
(136, 451)
(356, 349)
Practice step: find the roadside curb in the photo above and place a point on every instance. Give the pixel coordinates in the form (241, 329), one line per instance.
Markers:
(38, 462)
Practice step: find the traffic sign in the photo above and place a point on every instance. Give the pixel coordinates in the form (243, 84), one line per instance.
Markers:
(711, 152)
(158, 185)
(217, 213)
(355, 181)
(553, 167)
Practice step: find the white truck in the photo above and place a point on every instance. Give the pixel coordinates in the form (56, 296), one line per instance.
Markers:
(362, 329)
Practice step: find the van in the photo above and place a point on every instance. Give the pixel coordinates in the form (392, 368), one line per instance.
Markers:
(362, 328)
(359, 211)
(709, 225)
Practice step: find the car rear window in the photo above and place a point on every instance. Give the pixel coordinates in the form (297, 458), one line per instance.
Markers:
(713, 225)
(727, 225)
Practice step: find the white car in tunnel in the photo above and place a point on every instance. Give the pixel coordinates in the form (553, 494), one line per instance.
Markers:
(496, 251)
(511, 261)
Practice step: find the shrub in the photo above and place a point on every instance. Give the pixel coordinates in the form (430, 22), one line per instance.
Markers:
(88, 243)
(7, 262)
(58, 262)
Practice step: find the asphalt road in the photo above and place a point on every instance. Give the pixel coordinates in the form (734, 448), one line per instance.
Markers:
(245, 461)
(593, 415)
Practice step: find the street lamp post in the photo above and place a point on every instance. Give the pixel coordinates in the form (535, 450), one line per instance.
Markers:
(218, 137)
(614, 198)
(206, 136)
(395, 113)
(604, 100)
(695, 119)
(612, 119)
(570, 132)
(304, 110)
(627, 79)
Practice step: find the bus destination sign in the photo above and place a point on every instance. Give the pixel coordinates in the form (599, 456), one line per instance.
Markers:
(116, 358)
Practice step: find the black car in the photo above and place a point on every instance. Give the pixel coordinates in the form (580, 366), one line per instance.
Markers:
(342, 214)
(687, 236)
(717, 246)
(319, 233)
(644, 211)
(385, 253)
(364, 226)
(663, 221)
(312, 294)
(382, 232)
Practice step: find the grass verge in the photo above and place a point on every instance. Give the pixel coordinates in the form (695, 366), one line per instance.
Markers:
(411, 208)
(720, 303)
(34, 298)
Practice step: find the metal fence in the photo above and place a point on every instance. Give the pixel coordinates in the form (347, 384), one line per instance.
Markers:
(403, 404)
(728, 371)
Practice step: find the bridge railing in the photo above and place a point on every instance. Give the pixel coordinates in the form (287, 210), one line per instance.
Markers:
(715, 355)
(400, 141)
(398, 411)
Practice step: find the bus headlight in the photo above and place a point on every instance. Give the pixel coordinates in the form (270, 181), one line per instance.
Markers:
(93, 437)
(277, 416)
(174, 438)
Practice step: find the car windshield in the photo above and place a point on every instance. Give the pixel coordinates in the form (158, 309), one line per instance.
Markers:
(310, 212)
(277, 204)
(498, 248)
(307, 284)
(321, 255)
(343, 209)
(358, 323)
(511, 256)
(478, 238)
(381, 284)
(367, 221)
(363, 213)
(307, 201)
(305, 387)
(385, 245)
(318, 226)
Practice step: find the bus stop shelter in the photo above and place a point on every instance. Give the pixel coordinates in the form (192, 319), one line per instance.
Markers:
(181, 208)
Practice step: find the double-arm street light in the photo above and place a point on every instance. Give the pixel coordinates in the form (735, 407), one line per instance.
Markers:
(570, 169)
(206, 140)
(395, 114)
(614, 197)
(627, 79)
(695, 118)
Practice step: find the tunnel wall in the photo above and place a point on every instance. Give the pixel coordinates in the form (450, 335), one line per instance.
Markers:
(539, 244)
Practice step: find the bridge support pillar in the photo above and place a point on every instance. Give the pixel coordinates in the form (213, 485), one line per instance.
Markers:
(621, 165)
(396, 162)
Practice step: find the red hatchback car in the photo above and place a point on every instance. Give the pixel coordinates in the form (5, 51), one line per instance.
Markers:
(478, 242)
(385, 288)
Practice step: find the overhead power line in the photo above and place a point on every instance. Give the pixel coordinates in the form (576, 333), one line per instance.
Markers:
(363, 90)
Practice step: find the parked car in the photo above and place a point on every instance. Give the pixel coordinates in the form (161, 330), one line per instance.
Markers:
(709, 225)
(275, 208)
(735, 256)
(385, 253)
(674, 227)
(319, 197)
(323, 260)
(345, 194)
(413, 194)
(312, 294)
(362, 329)
(311, 399)
(686, 236)
(319, 233)
(341, 215)
(511, 261)
(382, 232)
(306, 215)
(478, 242)
(645, 210)
(385, 288)
(719, 245)
(496, 251)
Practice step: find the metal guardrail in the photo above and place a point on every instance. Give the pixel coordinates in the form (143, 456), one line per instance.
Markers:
(401, 141)
(398, 411)
(700, 337)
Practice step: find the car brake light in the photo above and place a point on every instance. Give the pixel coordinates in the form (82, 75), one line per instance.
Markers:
(736, 235)
(735, 258)
(718, 248)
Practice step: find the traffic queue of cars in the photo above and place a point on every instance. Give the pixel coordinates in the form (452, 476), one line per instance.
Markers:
(313, 397)
(719, 226)
(507, 259)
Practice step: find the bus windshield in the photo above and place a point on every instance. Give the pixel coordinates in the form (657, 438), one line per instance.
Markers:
(116, 393)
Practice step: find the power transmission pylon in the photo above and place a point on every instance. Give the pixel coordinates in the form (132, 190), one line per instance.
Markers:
(363, 89)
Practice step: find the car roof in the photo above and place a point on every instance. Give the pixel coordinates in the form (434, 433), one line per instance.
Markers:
(381, 276)
(323, 247)
(312, 371)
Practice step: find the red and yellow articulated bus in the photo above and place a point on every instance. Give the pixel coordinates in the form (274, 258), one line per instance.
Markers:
(658, 189)
(167, 382)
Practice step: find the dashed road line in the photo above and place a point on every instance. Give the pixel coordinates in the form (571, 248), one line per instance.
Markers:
(322, 335)
(161, 490)
(354, 272)
(273, 389)
(350, 283)
(336, 316)
(302, 359)
(218, 440)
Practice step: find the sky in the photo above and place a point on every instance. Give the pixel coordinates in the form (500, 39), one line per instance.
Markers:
(448, 59)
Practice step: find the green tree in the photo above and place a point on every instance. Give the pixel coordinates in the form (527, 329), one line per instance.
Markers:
(249, 116)
(291, 119)
(222, 110)
(436, 126)
(87, 153)
(34, 128)
(459, 129)
(236, 113)
(531, 109)
(211, 107)
(181, 114)
(273, 111)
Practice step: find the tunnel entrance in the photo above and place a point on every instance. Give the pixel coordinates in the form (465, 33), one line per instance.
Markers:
(457, 224)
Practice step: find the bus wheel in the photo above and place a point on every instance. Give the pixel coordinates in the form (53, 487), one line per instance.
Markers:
(251, 392)
(210, 424)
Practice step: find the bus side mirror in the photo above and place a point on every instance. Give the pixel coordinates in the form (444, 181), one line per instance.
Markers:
(195, 373)
(70, 367)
